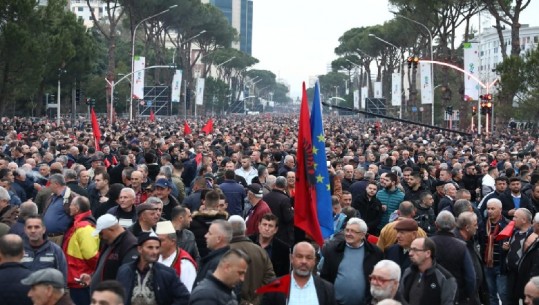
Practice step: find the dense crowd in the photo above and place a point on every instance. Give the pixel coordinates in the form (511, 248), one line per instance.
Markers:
(152, 214)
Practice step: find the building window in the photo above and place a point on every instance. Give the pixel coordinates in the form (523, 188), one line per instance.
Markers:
(81, 9)
(495, 50)
(100, 10)
(535, 39)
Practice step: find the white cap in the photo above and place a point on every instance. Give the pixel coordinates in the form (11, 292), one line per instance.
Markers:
(165, 227)
(104, 222)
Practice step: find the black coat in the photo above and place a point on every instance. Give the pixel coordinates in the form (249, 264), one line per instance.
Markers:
(370, 211)
(324, 292)
(508, 204)
(280, 255)
(75, 187)
(201, 224)
(528, 267)
(279, 203)
(333, 253)
(208, 264)
(13, 292)
(167, 287)
(396, 253)
(212, 291)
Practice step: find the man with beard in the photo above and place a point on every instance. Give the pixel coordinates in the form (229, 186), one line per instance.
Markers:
(369, 207)
(513, 199)
(384, 281)
(470, 181)
(415, 188)
(390, 197)
(306, 288)
(147, 282)
(246, 170)
(500, 187)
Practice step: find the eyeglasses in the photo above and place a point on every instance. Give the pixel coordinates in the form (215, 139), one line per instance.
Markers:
(352, 231)
(381, 280)
(416, 250)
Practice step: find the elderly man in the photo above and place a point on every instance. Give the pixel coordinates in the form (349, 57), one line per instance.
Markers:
(8, 213)
(175, 257)
(55, 216)
(306, 287)
(125, 211)
(388, 235)
(148, 217)
(47, 288)
(259, 208)
(261, 269)
(349, 262)
(531, 291)
(147, 282)
(426, 282)
(406, 233)
(384, 279)
(12, 271)
(455, 256)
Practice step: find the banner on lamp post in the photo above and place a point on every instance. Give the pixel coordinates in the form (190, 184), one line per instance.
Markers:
(426, 83)
(364, 95)
(356, 99)
(176, 86)
(378, 90)
(200, 91)
(396, 89)
(138, 78)
(471, 65)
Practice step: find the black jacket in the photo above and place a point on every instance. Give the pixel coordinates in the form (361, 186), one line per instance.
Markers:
(439, 285)
(167, 287)
(186, 241)
(213, 291)
(13, 292)
(279, 256)
(201, 224)
(75, 187)
(396, 253)
(528, 267)
(279, 203)
(333, 253)
(370, 211)
(324, 292)
(508, 204)
(208, 264)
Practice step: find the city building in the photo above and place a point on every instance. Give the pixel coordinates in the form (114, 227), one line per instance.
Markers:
(83, 12)
(240, 15)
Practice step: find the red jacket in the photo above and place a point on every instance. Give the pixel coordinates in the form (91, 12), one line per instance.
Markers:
(255, 216)
(80, 248)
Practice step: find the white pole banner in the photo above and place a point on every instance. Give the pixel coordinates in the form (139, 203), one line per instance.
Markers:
(396, 89)
(378, 90)
(200, 91)
(471, 65)
(364, 95)
(176, 86)
(138, 86)
(426, 83)
(356, 99)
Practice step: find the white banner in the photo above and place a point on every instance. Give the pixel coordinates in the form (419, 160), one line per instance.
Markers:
(378, 90)
(364, 95)
(471, 65)
(138, 69)
(200, 91)
(176, 87)
(426, 83)
(356, 99)
(396, 89)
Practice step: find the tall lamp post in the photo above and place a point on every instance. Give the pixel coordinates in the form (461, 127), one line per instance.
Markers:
(133, 56)
(401, 69)
(431, 57)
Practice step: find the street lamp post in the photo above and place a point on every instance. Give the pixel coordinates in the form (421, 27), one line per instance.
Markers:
(186, 41)
(133, 56)
(58, 118)
(401, 68)
(431, 58)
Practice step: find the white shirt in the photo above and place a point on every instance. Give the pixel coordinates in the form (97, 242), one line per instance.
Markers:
(302, 296)
(189, 272)
(248, 175)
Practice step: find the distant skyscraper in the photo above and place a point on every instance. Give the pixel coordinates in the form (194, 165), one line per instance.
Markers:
(240, 15)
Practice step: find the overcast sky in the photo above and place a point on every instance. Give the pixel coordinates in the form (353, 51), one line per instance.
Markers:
(295, 39)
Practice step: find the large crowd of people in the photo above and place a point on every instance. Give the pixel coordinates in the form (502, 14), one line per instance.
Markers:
(152, 214)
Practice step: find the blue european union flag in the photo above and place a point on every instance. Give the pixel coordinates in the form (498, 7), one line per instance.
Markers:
(323, 191)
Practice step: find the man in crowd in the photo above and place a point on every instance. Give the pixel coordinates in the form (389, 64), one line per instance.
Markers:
(369, 207)
(181, 221)
(279, 203)
(531, 291)
(406, 233)
(390, 197)
(349, 262)
(125, 211)
(12, 271)
(147, 282)
(384, 280)
(55, 213)
(47, 287)
(203, 219)
(162, 190)
(110, 292)
(259, 208)
(425, 281)
(234, 192)
(147, 219)
(246, 170)
(388, 235)
(306, 286)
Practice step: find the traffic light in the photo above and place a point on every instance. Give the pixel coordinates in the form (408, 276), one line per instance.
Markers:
(77, 95)
(486, 97)
(488, 106)
(474, 110)
(449, 110)
(412, 62)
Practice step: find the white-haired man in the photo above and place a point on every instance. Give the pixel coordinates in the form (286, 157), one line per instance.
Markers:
(384, 281)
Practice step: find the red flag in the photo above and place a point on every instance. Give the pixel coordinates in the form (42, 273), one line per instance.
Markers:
(281, 284)
(373, 239)
(95, 129)
(305, 211)
(186, 128)
(198, 158)
(208, 128)
(107, 163)
(114, 160)
(507, 231)
(152, 116)
(19, 136)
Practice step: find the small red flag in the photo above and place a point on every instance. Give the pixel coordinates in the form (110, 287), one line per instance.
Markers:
(281, 284)
(373, 239)
(95, 129)
(208, 128)
(305, 209)
(107, 163)
(152, 116)
(507, 231)
(198, 158)
(114, 160)
(19, 136)
(186, 128)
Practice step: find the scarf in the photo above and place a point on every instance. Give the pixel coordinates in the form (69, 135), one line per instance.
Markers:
(491, 236)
